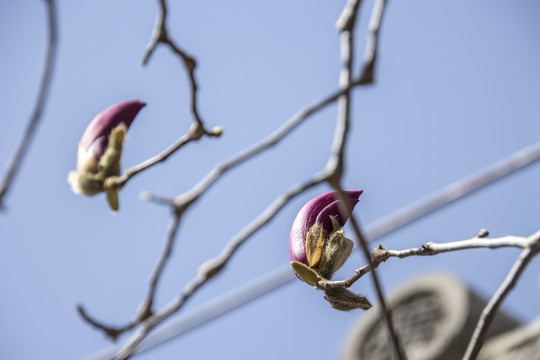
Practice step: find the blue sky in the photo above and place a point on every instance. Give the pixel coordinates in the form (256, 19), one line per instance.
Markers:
(457, 89)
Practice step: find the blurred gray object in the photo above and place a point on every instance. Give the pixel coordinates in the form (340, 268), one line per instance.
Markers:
(522, 343)
(435, 317)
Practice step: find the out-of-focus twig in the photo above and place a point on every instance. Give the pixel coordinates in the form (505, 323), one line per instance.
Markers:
(22, 148)
(195, 133)
(145, 309)
(110, 331)
(160, 36)
(371, 51)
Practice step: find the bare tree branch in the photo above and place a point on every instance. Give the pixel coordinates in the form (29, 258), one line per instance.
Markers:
(432, 248)
(346, 25)
(477, 340)
(194, 133)
(371, 52)
(110, 331)
(160, 35)
(380, 255)
(386, 313)
(145, 309)
(184, 200)
(17, 158)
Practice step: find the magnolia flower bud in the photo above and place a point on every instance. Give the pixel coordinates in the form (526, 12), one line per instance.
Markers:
(100, 150)
(317, 243)
(318, 248)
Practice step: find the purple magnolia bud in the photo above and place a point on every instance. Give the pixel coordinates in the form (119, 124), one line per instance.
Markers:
(95, 139)
(317, 211)
(100, 151)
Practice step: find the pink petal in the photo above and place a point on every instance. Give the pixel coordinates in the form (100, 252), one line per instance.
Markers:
(319, 210)
(96, 137)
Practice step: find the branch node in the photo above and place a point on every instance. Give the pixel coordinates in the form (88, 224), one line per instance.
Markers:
(196, 131)
(380, 254)
(211, 268)
(111, 332)
(483, 233)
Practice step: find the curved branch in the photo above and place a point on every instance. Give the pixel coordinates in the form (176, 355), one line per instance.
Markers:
(22, 148)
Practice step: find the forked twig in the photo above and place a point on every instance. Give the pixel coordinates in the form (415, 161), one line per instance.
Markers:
(371, 50)
(160, 36)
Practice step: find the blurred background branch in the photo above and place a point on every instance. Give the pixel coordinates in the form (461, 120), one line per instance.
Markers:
(17, 158)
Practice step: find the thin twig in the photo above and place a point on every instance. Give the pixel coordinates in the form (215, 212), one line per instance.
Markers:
(380, 255)
(145, 309)
(160, 35)
(489, 312)
(110, 331)
(345, 24)
(119, 182)
(22, 148)
(432, 248)
(184, 200)
(371, 52)
(371, 265)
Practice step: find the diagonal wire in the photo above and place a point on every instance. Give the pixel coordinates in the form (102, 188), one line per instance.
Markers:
(282, 275)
